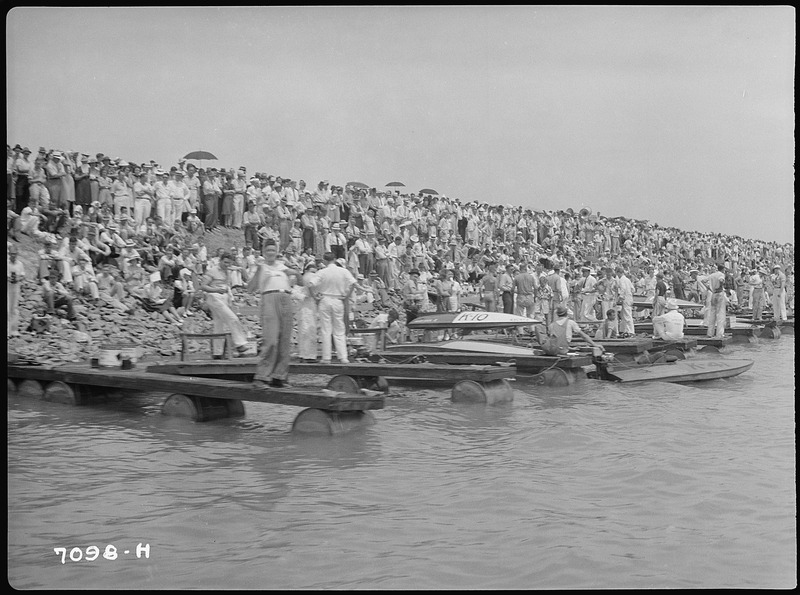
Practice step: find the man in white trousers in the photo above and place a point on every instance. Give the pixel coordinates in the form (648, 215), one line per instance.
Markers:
(333, 287)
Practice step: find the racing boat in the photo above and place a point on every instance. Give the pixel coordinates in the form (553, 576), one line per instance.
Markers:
(682, 370)
(475, 321)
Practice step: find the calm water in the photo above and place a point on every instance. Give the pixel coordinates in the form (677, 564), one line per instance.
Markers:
(592, 486)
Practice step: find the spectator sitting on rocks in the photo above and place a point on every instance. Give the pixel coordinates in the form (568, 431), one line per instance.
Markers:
(152, 298)
(56, 295)
(111, 290)
(184, 292)
(83, 277)
(134, 274)
(169, 265)
(30, 220)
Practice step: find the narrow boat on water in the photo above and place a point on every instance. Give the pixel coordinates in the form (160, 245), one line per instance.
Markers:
(663, 367)
(682, 370)
(479, 320)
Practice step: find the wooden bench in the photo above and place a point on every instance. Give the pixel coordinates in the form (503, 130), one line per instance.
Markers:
(226, 345)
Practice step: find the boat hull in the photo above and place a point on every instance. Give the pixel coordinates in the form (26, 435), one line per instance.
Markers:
(693, 370)
(471, 320)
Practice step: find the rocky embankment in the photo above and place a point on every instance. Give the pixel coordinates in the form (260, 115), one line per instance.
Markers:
(98, 324)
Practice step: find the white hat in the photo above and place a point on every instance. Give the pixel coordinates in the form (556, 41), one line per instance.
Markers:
(672, 304)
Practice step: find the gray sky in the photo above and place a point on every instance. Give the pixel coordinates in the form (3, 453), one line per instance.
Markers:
(680, 115)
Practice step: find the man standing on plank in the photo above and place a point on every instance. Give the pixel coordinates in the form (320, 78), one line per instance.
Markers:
(273, 284)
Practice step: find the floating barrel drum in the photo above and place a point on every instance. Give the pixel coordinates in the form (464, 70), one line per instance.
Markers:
(54, 392)
(201, 408)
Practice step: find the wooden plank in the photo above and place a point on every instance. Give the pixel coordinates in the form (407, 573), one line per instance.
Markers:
(144, 381)
(430, 371)
(726, 340)
(630, 345)
(523, 363)
(684, 344)
(696, 331)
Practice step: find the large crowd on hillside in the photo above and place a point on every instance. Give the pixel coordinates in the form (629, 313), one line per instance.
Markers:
(134, 235)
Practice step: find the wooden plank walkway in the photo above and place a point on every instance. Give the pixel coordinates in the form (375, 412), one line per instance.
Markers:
(141, 380)
(700, 331)
(427, 371)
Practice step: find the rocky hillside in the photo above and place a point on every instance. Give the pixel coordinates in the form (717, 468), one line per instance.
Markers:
(99, 324)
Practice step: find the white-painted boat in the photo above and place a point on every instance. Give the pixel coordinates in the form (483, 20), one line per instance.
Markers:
(471, 320)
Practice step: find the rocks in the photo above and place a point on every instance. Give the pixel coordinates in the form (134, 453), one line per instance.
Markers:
(98, 323)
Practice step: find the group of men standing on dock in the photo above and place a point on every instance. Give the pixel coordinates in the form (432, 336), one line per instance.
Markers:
(273, 282)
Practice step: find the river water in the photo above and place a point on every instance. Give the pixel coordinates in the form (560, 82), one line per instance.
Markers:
(596, 485)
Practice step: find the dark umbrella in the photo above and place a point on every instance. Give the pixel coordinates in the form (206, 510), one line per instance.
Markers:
(395, 184)
(428, 191)
(200, 155)
(358, 185)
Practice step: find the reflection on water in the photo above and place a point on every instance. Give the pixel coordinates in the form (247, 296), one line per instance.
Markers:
(588, 486)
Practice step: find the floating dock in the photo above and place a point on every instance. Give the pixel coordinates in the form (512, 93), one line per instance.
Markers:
(197, 398)
(483, 382)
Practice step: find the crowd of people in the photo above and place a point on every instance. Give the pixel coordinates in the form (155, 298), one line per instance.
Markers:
(133, 235)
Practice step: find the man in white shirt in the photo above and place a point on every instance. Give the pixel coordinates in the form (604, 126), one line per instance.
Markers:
(715, 282)
(179, 194)
(271, 281)
(142, 202)
(15, 274)
(588, 294)
(625, 293)
(669, 326)
(333, 287)
(162, 194)
(193, 183)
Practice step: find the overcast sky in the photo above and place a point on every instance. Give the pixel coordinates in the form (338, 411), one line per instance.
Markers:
(680, 115)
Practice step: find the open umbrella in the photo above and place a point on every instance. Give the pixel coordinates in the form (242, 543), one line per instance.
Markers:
(199, 156)
(358, 185)
(395, 184)
(428, 191)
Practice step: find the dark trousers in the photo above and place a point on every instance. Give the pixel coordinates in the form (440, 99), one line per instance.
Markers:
(211, 204)
(22, 194)
(508, 302)
(308, 239)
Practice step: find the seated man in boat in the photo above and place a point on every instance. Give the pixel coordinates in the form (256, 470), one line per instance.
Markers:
(669, 326)
(609, 329)
(561, 331)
